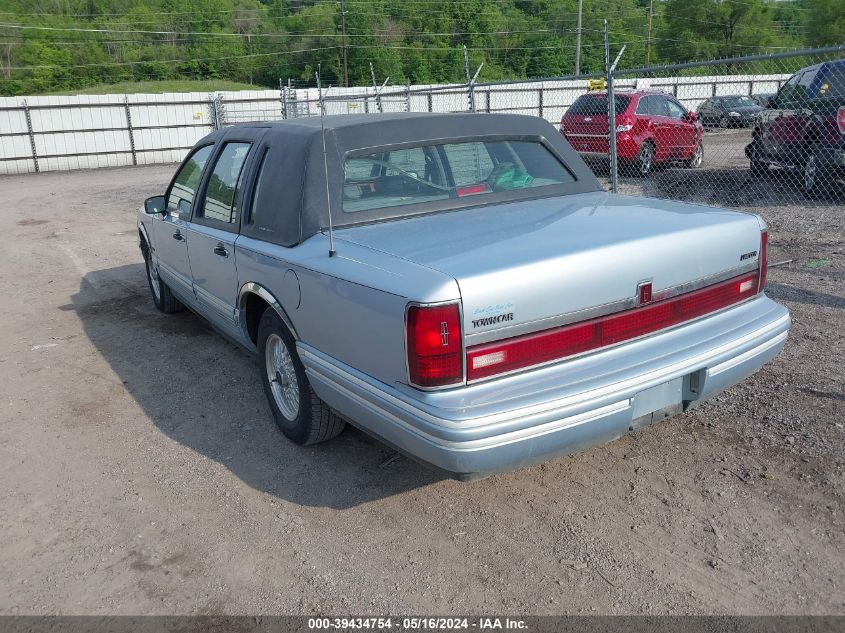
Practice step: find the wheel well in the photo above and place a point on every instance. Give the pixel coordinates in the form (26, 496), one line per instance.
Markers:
(142, 242)
(254, 308)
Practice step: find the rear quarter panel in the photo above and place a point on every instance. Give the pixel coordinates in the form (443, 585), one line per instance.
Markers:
(351, 306)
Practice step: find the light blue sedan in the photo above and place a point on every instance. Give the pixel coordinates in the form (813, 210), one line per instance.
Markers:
(458, 286)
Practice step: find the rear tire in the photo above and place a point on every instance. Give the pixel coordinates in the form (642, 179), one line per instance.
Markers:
(162, 296)
(724, 122)
(643, 163)
(301, 416)
(813, 177)
(697, 158)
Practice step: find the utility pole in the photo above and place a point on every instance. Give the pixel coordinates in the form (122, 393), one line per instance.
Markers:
(578, 39)
(345, 45)
(648, 39)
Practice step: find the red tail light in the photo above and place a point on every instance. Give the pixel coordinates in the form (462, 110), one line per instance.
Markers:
(840, 120)
(534, 349)
(434, 345)
(763, 260)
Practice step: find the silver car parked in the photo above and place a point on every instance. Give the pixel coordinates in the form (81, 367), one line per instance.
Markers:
(458, 286)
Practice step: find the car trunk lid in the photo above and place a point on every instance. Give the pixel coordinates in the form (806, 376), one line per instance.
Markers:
(527, 266)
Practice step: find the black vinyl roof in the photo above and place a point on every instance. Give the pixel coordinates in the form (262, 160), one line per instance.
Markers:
(296, 186)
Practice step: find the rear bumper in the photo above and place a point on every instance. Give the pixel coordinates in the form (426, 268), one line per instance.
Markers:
(564, 408)
(597, 145)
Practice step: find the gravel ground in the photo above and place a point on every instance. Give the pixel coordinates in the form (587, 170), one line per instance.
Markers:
(140, 471)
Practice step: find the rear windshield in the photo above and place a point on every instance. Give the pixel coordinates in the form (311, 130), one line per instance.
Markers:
(833, 82)
(597, 104)
(429, 173)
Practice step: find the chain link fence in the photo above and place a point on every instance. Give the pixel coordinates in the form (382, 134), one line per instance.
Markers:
(773, 134)
(743, 132)
(747, 131)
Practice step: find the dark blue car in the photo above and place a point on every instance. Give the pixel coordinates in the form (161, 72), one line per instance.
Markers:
(803, 128)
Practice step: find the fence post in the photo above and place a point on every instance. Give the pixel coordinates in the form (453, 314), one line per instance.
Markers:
(471, 80)
(611, 111)
(611, 107)
(540, 99)
(407, 95)
(31, 136)
(129, 130)
(283, 98)
(217, 110)
(212, 111)
(430, 99)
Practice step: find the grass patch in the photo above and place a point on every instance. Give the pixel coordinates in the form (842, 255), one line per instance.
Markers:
(157, 87)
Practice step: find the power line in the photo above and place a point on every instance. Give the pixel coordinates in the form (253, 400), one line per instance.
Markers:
(284, 35)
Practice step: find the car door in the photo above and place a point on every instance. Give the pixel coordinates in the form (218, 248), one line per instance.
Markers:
(644, 126)
(684, 131)
(214, 229)
(170, 234)
(662, 125)
(784, 126)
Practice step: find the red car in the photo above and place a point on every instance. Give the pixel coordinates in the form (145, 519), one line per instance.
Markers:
(651, 128)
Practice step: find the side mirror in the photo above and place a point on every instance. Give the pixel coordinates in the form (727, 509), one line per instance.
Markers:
(772, 102)
(692, 117)
(154, 205)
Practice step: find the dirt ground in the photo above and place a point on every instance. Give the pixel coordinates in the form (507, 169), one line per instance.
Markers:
(141, 473)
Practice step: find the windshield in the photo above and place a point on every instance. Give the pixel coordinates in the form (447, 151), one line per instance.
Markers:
(428, 173)
(596, 104)
(738, 102)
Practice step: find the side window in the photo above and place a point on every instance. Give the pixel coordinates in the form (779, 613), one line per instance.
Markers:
(221, 195)
(184, 190)
(255, 210)
(676, 110)
(642, 106)
(657, 106)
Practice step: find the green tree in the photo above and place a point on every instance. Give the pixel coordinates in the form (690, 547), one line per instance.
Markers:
(712, 29)
(825, 22)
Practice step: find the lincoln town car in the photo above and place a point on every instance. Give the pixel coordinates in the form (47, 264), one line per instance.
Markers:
(459, 286)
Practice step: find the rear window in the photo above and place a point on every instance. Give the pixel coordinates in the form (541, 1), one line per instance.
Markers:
(738, 102)
(597, 104)
(429, 173)
(833, 82)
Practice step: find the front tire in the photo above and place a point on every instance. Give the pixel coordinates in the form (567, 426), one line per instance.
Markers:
(758, 167)
(162, 296)
(301, 416)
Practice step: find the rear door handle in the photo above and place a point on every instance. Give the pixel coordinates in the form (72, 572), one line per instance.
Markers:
(178, 235)
(221, 250)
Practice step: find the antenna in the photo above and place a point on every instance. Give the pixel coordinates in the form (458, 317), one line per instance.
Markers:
(325, 161)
